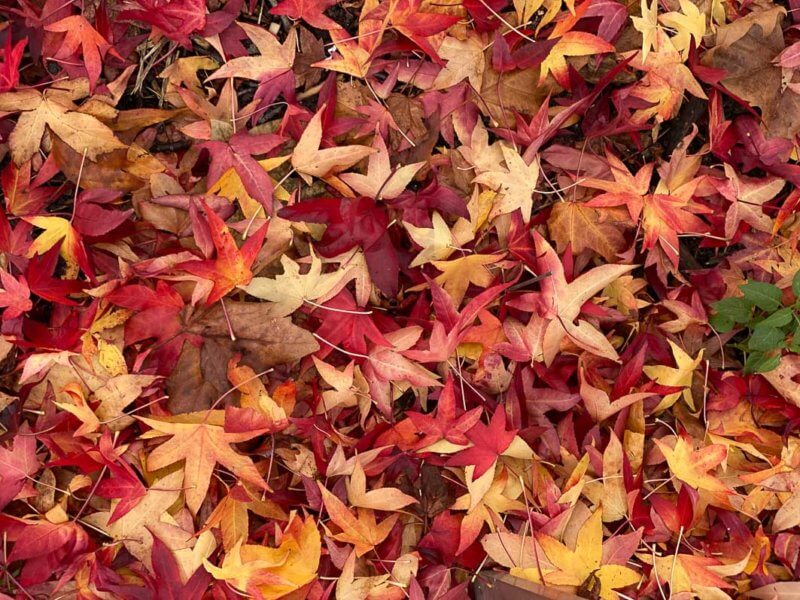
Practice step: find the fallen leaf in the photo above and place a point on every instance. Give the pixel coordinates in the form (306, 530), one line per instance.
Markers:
(55, 109)
(310, 160)
(201, 441)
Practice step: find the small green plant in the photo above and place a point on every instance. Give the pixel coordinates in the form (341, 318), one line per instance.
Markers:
(771, 325)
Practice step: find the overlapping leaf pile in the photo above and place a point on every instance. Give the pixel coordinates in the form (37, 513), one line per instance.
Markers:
(307, 299)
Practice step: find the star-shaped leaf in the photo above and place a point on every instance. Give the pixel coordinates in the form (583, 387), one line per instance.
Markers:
(231, 266)
(289, 290)
(310, 160)
(362, 531)
(516, 184)
(583, 564)
(201, 441)
(693, 466)
(680, 376)
(562, 303)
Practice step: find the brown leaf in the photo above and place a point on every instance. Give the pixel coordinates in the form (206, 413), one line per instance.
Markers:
(311, 51)
(125, 169)
(409, 115)
(200, 376)
(503, 93)
(745, 50)
(586, 227)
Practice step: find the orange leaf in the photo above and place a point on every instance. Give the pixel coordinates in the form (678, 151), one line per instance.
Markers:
(362, 531)
(693, 466)
(271, 573)
(231, 267)
(388, 499)
(200, 440)
(572, 43)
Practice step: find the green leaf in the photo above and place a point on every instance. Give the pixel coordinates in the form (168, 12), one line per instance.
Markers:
(764, 295)
(796, 285)
(779, 318)
(758, 362)
(795, 332)
(721, 323)
(737, 310)
(766, 338)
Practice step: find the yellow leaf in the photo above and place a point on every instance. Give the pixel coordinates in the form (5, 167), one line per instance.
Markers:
(465, 60)
(289, 290)
(457, 274)
(612, 577)
(515, 184)
(692, 467)
(116, 394)
(231, 517)
(487, 499)
(347, 386)
(480, 207)
(437, 242)
(111, 358)
(526, 8)
(381, 181)
(56, 230)
(55, 109)
(274, 57)
(680, 376)
(589, 545)
(615, 499)
(688, 24)
(271, 573)
(578, 567)
(572, 43)
(647, 25)
(133, 528)
(350, 587)
(230, 186)
(622, 294)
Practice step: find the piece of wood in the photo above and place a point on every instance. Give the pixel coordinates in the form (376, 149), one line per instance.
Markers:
(502, 586)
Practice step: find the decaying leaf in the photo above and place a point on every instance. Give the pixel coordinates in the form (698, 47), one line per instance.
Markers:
(262, 341)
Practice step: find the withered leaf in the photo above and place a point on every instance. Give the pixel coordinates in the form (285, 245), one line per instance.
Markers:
(263, 342)
(124, 169)
(745, 50)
